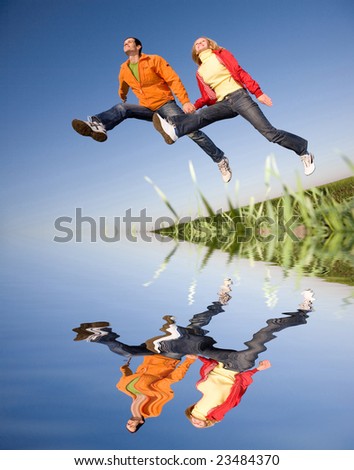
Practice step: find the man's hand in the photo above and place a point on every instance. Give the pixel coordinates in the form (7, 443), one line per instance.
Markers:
(188, 108)
(265, 99)
(263, 365)
(191, 356)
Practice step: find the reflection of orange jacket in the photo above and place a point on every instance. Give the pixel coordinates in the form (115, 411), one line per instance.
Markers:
(155, 376)
(157, 84)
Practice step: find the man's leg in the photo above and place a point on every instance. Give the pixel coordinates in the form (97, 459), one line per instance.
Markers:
(171, 112)
(202, 319)
(205, 143)
(118, 113)
(100, 332)
(98, 125)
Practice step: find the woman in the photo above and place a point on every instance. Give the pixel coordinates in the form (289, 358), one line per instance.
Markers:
(222, 390)
(225, 89)
(226, 374)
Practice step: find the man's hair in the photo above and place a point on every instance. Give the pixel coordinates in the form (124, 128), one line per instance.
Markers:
(138, 426)
(212, 45)
(137, 43)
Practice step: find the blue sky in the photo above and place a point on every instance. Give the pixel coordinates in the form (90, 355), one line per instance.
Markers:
(60, 60)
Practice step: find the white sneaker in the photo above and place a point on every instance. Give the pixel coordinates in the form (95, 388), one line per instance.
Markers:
(166, 129)
(306, 305)
(91, 128)
(223, 293)
(309, 164)
(225, 169)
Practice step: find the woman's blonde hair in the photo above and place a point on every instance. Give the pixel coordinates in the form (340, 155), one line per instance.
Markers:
(212, 45)
(188, 413)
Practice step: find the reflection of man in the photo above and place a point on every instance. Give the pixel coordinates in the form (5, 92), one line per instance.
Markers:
(150, 386)
(226, 374)
(155, 84)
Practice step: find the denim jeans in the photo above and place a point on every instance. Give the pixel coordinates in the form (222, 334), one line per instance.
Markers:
(122, 111)
(234, 104)
(246, 358)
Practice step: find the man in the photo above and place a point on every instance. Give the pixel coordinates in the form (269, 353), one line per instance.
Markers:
(155, 84)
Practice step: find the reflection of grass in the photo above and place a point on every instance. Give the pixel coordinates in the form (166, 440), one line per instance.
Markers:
(310, 230)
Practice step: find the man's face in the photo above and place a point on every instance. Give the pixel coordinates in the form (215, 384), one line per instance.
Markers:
(133, 423)
(129, 47)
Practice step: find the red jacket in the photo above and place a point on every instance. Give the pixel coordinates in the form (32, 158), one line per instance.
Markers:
(242, 381)
(241, 76)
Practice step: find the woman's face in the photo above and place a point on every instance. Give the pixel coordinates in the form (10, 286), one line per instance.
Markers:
(201, 45)
(198, 423)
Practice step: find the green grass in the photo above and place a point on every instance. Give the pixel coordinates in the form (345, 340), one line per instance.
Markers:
(309, 230)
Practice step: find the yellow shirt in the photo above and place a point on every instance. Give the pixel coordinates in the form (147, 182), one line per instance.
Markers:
(215, 389)
(216, 75)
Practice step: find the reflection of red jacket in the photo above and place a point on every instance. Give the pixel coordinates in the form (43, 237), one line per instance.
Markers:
(241, 76)
(242, 381)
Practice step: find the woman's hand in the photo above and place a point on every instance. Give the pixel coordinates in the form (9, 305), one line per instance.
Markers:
(265, 99)
(263, 365)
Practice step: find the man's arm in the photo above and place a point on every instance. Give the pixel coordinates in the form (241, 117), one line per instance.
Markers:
(123, 86)
(166, 72)
(182, 368)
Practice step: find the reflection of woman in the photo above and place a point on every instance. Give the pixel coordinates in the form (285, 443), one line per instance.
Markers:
(222, 390)
(226, 373)
(224, 86)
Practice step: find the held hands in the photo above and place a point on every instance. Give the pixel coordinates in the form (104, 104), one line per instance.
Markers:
(188, 108)
(191, 356)
(265, 99)
(263, 365)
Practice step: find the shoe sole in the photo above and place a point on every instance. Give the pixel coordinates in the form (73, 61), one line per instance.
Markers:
(223, 177)
(82, 128)
(228, 181)
(313, 169)
(157, 124)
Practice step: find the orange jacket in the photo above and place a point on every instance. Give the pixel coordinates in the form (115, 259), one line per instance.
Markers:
(155, 376)
(158, 82)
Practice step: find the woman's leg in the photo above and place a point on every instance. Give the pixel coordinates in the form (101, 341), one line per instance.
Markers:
(243, 104)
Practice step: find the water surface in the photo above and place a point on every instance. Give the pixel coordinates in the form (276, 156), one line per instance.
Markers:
(61, 393)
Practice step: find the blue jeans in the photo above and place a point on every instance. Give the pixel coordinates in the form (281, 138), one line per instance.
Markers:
(122, 111)
(239, 103)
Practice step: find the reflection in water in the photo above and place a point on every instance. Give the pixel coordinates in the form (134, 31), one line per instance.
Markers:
(225, 374)
(150, 386)
(329, 257)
